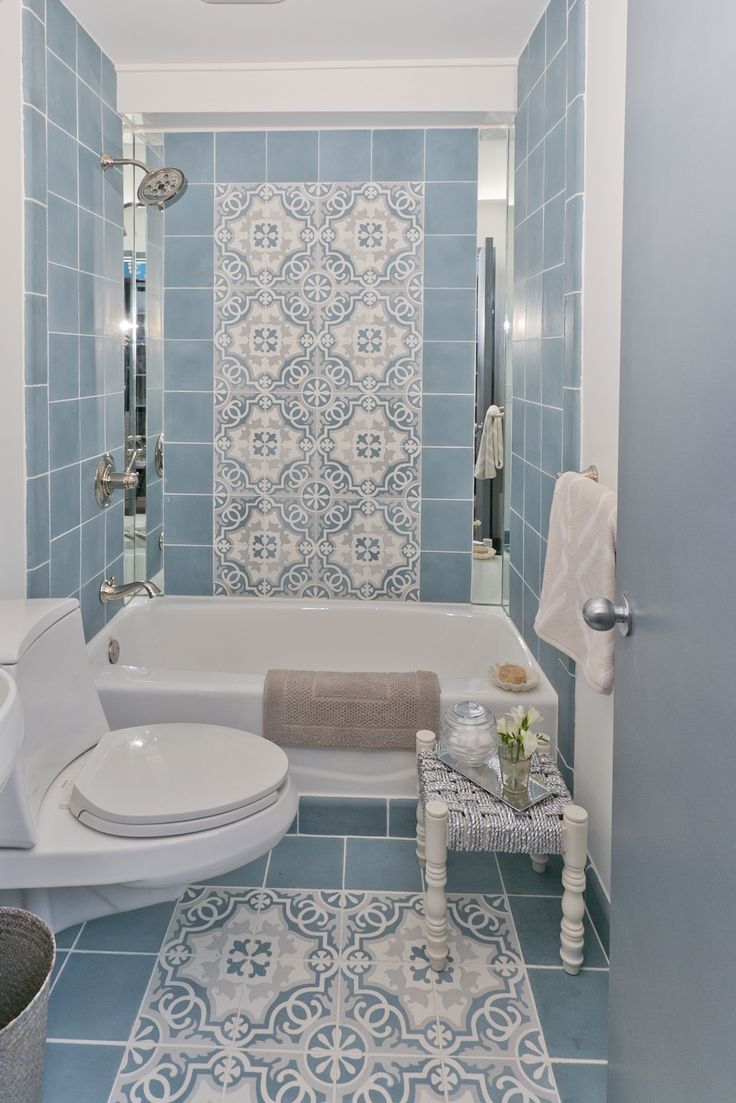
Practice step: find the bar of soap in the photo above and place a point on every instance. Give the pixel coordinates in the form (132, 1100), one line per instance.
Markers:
(512, 673)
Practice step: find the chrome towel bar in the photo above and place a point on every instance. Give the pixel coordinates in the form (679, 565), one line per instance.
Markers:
(590, 472)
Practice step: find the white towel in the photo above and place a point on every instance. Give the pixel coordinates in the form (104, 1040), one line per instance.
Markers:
(490, 450)
(580, 563)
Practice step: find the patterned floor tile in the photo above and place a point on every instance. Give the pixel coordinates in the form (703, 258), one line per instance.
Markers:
(263, 1077)
(486, 1011)
(370, 1079)
(291, 973)
(479, 1081)
(149, 1074)
(391, 1007)
(79, 1073)
(195, 991)
(384, 928)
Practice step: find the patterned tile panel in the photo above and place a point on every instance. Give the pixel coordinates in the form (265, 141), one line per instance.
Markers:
(318, 346)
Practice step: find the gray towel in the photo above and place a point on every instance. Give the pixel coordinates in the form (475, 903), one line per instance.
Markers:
(374, 712)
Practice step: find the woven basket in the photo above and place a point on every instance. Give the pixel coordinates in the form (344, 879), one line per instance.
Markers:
(27, 955)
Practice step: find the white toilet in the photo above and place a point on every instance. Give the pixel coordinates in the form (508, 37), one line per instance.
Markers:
(94, 821)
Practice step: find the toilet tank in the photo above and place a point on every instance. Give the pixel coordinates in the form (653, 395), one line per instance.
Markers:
(43, 649)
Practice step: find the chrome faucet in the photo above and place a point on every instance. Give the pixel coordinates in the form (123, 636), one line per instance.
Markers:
(110, 591)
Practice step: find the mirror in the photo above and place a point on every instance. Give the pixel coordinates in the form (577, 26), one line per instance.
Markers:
(143, 358)
(493, 363)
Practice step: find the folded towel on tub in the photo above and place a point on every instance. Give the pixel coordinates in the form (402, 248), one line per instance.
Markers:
(361, 711)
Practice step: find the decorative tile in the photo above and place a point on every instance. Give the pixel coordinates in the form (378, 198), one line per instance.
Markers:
(177, 1075)
(486, 1012)
(264, 547)
(373, 233)
(290, 970)
(478, 1081)
(370, 339)
(368, 550)
(266, 234)
(195, 990)
(390, 1006)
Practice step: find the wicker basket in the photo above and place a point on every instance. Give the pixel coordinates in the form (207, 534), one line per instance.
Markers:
(27, 955)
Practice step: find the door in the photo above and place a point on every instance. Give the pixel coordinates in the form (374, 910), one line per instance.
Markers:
(673, 948)
(487, 492)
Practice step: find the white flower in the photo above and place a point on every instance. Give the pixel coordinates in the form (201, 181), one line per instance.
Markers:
(530, 741)
(501, 726)
(533, 716)
(518, 713)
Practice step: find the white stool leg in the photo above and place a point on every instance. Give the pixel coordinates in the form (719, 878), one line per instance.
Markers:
(574, 853)
(539, 862)
(425, 742)
(435, 901)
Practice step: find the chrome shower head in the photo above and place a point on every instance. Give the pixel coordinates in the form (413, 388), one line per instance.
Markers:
(158, 187)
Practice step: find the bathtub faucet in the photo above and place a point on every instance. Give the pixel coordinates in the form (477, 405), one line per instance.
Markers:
(109, 591)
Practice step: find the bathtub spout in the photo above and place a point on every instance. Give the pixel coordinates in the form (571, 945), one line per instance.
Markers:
(110, 591)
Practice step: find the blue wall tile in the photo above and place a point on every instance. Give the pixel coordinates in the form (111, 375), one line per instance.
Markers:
(37, 520)
(34, 61)
(554, 160)
(188, 570)
(450, 261)
(449, 315)
(63, 366)
(451, 208)
(188, 365)
(89, 60)
(189, 262)
(61, 30)
(188, 314)
(90, 117)
(240, 157)
(93, 184)
(398, 155)
(34, 140)
(292, 155)
(188, 417)
(35, 247)
(554, 231)
(62, 95)
(188, 519)
(36, 328)
(452, 154)
(193, 212)
(447, 526)
(449, 367)
(189, 468)
(64, 499)
(345, 155)
(448, 420)
(447, 472)
(445, 576)
(194, 154)
(63, 232)
(555, 26)
(62, 163)
(65, 564)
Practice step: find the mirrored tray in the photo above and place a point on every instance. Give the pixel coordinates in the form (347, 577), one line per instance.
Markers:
(488, 777)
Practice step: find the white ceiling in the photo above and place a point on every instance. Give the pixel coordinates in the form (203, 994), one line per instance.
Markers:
(161, 32)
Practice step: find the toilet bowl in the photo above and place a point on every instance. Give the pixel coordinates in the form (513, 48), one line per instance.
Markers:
(94, 821)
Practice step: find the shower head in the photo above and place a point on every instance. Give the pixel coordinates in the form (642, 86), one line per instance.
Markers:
(158, 187)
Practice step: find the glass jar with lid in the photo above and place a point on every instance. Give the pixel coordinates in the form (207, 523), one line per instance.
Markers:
(469, 733)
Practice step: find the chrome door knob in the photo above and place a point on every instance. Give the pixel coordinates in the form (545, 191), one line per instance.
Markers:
(602, 615)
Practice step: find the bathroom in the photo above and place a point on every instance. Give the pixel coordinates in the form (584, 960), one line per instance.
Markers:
(303, 320)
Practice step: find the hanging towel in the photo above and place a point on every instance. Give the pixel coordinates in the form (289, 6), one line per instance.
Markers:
(580, 563)
(490, 450)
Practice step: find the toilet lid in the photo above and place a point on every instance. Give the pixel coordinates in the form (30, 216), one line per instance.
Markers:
(169, 778)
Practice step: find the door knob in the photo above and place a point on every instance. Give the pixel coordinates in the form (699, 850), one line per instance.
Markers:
(602, 615)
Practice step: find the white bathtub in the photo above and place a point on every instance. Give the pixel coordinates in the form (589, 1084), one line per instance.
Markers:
(204, 659)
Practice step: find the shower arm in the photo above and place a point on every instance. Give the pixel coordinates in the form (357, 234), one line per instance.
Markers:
(109, 162)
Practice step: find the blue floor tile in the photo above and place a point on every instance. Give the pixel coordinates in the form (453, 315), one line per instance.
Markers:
(342, 816)
(248, 876)
(468, 872)
(61, 956)
(306, 863)
(519, 877)
(141, 931)
(382, 864)
(80, 1074)
(582, 1083)
(402, 818)
(573, 1012)
(97, 996)
(65, 939)
(537, 920)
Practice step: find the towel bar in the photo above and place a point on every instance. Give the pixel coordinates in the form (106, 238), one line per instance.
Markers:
(590, 472)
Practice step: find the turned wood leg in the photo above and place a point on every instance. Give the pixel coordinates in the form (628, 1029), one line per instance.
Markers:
(539, 862)
(425, 742)
(574, 853)
(435, 876)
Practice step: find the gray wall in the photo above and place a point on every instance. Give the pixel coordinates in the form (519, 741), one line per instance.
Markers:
(547, 315)
(673, 962)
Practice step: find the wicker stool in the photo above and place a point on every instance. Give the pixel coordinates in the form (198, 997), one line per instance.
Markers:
(455, 814)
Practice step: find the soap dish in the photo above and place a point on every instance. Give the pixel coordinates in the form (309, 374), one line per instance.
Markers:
(514, 687)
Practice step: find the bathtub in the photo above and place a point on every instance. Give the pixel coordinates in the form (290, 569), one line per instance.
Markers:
(205, 659)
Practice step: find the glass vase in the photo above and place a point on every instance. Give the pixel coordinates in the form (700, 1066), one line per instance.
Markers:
(514, 771)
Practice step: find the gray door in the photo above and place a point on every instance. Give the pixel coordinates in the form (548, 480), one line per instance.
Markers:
(673, 923)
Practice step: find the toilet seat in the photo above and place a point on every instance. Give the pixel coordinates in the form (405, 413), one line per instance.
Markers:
(175, 779)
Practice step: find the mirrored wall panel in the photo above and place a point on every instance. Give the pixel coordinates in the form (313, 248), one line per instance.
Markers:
(492, 349)
(143, 359)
